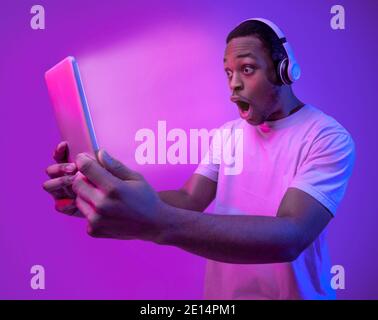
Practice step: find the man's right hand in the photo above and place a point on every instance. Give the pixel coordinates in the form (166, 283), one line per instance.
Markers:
(62, 174)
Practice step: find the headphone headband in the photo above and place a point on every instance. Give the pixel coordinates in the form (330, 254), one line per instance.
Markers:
(288, 68)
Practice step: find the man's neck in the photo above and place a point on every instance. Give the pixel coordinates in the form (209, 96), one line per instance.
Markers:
(287, 104)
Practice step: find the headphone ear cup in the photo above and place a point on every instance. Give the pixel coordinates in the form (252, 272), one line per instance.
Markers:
(283, 71)
(294, 72)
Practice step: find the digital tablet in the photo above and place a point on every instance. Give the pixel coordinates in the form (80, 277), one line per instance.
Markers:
(71, 108)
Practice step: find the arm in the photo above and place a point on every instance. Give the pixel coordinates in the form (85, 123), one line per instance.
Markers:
(196, 194)
(249, 239)
(119, 203)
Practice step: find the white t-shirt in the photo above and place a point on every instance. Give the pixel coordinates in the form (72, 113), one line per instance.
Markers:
(308, 150)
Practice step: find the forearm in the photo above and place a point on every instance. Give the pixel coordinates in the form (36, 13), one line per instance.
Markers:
(243, 239)
(178, 199)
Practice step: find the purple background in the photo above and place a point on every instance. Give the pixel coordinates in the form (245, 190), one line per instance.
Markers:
(144, 61)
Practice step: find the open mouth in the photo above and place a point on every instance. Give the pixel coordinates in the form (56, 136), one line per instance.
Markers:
(244, 106)
(245, 109)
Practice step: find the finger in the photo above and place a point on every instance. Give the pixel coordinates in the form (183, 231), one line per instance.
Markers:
(116, 167)
(95, 173)
(60, 169)
(85, 208)
(86, 190)
(68, 207)
(64, 193)
(61, 152)
(57, 184)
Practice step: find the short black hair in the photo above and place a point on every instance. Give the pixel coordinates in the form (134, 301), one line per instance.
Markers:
(267, 36)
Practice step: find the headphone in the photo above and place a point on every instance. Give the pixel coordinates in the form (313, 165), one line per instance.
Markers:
(288, 69)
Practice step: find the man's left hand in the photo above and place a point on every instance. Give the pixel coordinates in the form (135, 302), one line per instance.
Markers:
(117, 201)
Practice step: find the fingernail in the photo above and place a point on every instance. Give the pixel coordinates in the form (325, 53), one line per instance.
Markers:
(61, 145)
(70, 167)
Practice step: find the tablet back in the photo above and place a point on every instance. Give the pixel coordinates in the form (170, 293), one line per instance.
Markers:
(71, 108)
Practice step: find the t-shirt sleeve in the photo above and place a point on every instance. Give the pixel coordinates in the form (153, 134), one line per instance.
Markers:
(325, 172)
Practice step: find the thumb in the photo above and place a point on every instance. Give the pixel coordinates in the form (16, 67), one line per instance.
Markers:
(116, 167)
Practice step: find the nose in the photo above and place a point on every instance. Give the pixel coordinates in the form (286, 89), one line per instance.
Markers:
(235, 83)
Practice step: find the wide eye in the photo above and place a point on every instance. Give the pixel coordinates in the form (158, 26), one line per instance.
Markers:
(248, 69)
(228, 73)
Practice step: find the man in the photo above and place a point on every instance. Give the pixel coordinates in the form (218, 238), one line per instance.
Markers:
(266, 239)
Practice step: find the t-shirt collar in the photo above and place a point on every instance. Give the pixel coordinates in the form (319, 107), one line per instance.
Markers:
(284, 122)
